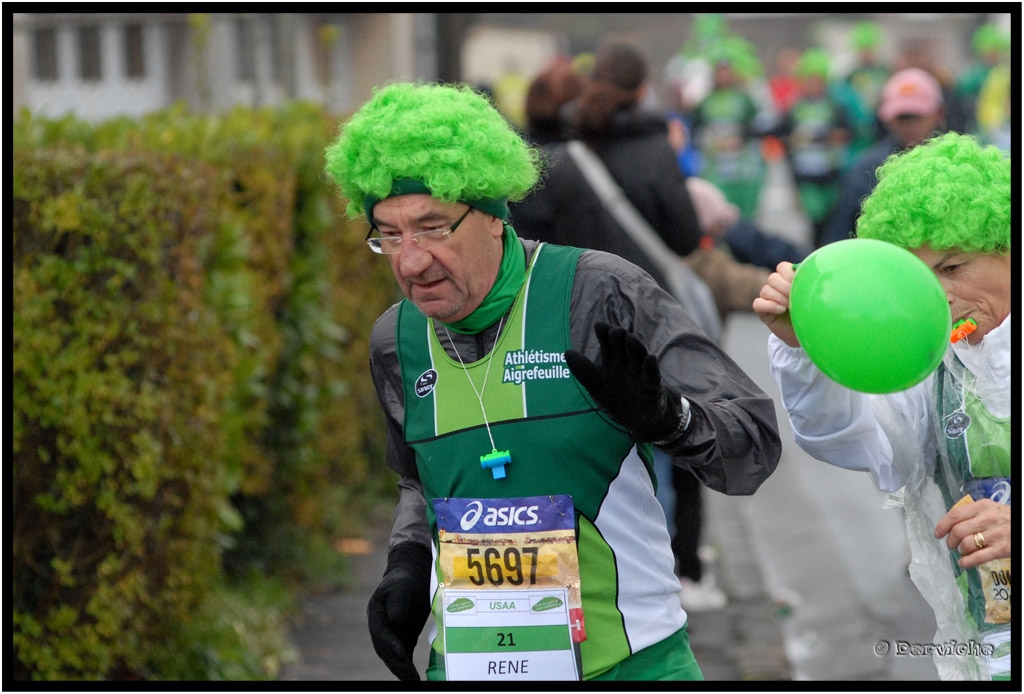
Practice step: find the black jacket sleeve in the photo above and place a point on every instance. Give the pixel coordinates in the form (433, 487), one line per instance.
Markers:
(732, 444)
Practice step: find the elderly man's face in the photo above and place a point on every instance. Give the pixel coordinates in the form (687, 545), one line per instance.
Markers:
(447, 282)
(977, 285)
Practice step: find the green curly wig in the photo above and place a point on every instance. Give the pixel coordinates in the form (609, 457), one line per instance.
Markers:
(865, 35)
(814, 61)
(739, 53)
(445, 140)
(990, 38)
(949, 192)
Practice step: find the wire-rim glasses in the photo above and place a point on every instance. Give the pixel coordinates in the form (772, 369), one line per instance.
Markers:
(431, 238)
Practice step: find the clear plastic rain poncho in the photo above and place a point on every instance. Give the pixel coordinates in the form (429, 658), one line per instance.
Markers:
(963, 449)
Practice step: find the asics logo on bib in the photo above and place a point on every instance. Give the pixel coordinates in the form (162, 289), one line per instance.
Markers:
(533, 365)
(505, 515)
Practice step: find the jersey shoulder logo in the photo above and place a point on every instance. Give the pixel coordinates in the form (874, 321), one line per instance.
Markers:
(425, 383)
(957, 424)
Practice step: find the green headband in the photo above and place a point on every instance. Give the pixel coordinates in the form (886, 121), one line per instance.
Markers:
(497, 207)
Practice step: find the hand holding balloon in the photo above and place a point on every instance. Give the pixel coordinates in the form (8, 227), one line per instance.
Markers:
(772, 306)
(871, 315)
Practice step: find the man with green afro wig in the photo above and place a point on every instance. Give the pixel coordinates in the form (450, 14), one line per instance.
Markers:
(943, 445)
(524, 386)
(447, 140)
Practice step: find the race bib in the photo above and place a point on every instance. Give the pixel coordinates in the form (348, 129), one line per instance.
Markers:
(510, 589)
(995, 574)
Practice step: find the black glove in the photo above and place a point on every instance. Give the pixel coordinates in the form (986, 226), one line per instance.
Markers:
(627, 385)
(399, 608)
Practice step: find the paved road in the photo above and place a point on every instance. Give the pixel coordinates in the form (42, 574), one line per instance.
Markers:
(814, 566)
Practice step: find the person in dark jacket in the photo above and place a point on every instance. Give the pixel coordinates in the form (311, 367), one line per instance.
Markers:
(565, 194)
(632, 142)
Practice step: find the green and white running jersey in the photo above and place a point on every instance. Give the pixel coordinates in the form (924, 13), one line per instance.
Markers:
(974, 458)
(559, 443)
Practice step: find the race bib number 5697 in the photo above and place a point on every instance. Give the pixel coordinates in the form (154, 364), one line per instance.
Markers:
(511, 606)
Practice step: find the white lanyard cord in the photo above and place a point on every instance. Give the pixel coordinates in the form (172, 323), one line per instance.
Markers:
(479, 393)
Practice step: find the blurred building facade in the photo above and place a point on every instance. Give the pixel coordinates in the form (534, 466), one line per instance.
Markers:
(99, 65)
(106, 64)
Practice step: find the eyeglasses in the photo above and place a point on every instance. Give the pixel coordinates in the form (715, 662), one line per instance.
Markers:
(389, 244)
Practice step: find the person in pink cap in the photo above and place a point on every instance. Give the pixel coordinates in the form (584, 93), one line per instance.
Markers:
(912, 109)
(909, 92)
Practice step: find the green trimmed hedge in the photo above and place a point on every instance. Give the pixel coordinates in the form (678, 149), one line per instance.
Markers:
(194, 424)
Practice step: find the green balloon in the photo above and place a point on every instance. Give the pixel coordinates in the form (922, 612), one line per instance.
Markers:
(871, 315)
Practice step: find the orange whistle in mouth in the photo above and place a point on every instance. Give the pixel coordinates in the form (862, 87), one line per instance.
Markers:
(962, 329)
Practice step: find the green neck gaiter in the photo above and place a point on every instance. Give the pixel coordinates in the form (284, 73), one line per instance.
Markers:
(503, 293)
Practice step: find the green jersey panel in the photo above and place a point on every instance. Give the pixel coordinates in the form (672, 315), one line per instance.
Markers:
(975, 460)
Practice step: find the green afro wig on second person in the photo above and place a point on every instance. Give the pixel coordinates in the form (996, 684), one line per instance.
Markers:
(949, 192)
(445, 140)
